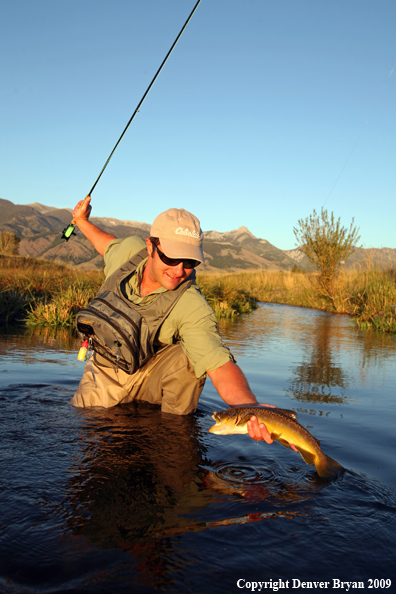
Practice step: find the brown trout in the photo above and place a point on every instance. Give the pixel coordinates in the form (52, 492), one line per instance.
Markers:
(282, 428)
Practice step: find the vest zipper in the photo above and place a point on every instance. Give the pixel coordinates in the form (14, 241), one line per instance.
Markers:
(119, 312)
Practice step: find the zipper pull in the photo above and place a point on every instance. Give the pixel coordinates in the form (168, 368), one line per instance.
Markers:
(117, 345)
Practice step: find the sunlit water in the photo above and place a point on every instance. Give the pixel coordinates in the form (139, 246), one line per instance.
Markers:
(131, 500)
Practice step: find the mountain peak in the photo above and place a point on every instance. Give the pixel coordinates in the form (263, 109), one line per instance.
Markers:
(229, 236)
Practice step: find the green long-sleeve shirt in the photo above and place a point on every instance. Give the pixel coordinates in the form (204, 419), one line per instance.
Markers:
(191, 322)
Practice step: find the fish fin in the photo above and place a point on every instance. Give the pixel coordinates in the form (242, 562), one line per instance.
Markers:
(288, 413)
(326, 467)
(243, 420)
(281, 440)
(308, 457)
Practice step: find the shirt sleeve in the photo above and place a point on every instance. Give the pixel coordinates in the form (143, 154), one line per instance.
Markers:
(121, 250)
(193, 323)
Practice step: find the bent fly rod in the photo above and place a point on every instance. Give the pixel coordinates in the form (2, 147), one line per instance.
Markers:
(69, 231)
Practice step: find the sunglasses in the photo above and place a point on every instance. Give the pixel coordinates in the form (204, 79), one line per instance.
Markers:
(173, 262)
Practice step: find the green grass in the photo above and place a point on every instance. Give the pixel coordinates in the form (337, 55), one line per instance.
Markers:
(39, 293)
(368, 296)
(225, 297)
(35, 292)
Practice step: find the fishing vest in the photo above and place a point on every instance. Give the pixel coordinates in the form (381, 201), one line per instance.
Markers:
(121, 331)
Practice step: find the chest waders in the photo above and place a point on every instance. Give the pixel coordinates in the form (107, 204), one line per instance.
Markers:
(121, 331)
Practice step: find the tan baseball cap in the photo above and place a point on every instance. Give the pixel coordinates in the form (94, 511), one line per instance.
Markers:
(180, 234)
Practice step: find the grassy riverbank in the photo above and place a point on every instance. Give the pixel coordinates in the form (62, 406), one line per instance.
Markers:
(369, 296)
(39, 293)
(36, 292)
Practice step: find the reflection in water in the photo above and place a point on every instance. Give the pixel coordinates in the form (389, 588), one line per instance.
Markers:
(324, 352)
(128, 499)
(135, 480)
(140, 475)
(136, 473)
(26, 347)
(319, 378)
(33, 339)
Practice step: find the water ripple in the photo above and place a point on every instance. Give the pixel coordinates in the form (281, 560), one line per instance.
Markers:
(243, 473)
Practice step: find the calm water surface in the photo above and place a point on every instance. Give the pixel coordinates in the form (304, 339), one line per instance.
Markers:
(131, 500)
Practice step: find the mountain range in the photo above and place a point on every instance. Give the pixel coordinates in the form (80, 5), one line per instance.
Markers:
(40, 228)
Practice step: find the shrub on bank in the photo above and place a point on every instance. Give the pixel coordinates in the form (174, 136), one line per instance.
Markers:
(9, 243)
(226, 297)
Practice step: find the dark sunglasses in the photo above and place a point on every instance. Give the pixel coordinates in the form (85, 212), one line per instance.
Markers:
(173, 262)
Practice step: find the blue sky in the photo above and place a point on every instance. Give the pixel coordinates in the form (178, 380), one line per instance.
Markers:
(265, 110)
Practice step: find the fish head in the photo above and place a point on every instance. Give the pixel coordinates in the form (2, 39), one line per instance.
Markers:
(228, 423)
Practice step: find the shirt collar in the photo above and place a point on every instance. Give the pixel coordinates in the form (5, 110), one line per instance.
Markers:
(136, 281)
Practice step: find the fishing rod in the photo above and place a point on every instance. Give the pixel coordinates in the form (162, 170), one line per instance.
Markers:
(69, 231)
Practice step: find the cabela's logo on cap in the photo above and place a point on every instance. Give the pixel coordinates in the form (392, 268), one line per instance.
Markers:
(194, 234)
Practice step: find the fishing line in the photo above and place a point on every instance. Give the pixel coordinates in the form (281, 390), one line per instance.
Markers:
(69, 231)
(360, 134)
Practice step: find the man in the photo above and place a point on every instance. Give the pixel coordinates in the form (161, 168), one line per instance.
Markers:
(188, 347)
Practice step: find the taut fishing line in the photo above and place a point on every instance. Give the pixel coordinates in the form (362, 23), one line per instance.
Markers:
(360, 134)
(69, 231)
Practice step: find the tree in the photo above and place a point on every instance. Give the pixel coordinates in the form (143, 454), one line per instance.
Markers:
(9, 243)
(327, 245)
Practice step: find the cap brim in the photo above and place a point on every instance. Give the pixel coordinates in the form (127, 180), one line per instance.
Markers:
(178, 250)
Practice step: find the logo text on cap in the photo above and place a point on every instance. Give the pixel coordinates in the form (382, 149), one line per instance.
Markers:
(181, 231)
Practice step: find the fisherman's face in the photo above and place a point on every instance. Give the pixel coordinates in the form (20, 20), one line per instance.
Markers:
(169, 277)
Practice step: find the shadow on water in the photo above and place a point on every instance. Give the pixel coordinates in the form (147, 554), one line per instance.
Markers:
(132, 500)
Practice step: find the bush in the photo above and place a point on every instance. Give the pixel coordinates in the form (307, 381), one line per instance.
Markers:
(9, 243)
(327, 245)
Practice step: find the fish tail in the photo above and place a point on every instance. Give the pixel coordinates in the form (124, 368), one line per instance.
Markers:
(326, 467)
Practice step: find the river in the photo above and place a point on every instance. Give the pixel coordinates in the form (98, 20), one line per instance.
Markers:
(132, 500)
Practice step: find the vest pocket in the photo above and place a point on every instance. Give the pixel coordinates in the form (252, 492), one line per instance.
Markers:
(114, 335)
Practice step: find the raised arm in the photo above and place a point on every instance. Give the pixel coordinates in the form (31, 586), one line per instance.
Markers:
(99, 239)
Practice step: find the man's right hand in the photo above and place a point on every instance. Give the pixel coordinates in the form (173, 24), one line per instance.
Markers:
(99, 239)
(259, 432)
(82, 210)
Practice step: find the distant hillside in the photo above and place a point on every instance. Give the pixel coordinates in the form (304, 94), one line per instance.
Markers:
(40, 227)
(241, 250)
